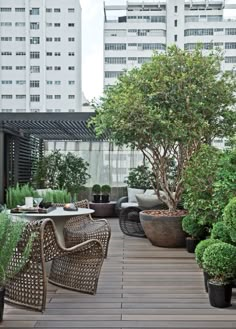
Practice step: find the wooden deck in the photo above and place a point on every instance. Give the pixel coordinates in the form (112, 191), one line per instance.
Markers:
(140, 286)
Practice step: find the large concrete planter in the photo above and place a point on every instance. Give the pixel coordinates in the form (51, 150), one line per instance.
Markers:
(163, 230)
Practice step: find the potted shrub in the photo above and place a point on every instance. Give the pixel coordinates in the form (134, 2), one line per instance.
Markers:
(96, 190)
(16, 195)
(106, 190)
(219, 261)
(199, 251)
(229, 217)
(160, 111)
(221, 232)
(10, 235)
(195, 230)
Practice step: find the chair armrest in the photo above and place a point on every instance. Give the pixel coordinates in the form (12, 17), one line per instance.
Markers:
(118, 204)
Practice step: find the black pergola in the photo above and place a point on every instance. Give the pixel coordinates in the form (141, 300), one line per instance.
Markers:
(22, 136)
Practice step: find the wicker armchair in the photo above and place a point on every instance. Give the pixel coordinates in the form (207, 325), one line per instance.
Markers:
(76, 268)
(84, 227)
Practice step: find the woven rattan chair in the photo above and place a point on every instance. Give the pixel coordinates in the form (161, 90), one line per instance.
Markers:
(76, 268)
(130, 223)
(84, 227)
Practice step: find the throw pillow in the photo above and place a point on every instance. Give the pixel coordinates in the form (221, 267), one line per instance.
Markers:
(132, 194)
(148, 201)
(149, 192)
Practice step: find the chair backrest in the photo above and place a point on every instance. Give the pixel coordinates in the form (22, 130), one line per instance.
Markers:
(82, 204)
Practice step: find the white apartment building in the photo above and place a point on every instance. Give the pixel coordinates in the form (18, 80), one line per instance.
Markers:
(40, 56)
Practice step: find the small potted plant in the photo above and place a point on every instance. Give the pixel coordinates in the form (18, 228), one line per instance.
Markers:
(96, 189)
(106, 190)
(219, 261)
(195, 230)
(10, 235)
(220, 231)
(199, 251)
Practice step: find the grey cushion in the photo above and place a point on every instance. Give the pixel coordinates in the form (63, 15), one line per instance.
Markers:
(132, 194)
(148, 201)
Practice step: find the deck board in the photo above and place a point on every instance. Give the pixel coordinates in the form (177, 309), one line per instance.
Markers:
(141, 286)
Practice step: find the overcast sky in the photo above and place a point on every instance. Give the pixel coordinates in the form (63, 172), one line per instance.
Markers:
(92, 45)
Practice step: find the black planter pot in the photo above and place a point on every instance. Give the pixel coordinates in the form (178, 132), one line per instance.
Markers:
(2, 294)
(105, 198)
(220, 295)
(206, 278)
(96, 198)
(191, 244)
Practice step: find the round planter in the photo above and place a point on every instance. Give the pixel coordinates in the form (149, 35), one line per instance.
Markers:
(206, 277)
(105, 198)
(2, 294)
(96, 198)
(191, 244)
(220, 294)
(163, 230)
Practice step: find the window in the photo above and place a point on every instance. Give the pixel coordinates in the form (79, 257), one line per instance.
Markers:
(231, 31)
(57, 82)
(20, 110)
(49, 68)
(49, 110)
(49, 97)
(6, 96)
(6, 38)
(6, 68)
(71, 39)
(34, 83)
(19, 10)
(176, 22)
(34, 40)
(230, 45)
(57, 96)
(115, 60)
(6, 53)
(6, 110)
(20, 68)
(34, 11)
(176, 9)
(20, 53)
(5, 24)
(230, 59)
(57, 10)
(71, 82)
(20, 96)
(71, 68)
(34, 54)
(49, 39)
(48, 10)
(20, 38)
(71, 10)
(71, 110)
(57, 39)
(49, 24)
(49, 54)
(20, 24)
(113, 74)
(57, 110)
(49, 82)
(176, 37)
(198, 32)
(142, 60)
(57, 68)
(57, 24)
(20, 82)
(71, 96)
(71, 24)
(115, 46)
(5, 9)
(34, 26)
(57, 54)
(71, 54)
(6, 82)
(34, 69)
(35, 110)
(35, 98)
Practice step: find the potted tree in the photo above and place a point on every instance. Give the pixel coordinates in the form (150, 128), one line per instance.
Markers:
(196, 231)
(10, 235)
(199, 251)
(166, 109)
(96, 190)
(219, 261)
(106, 190)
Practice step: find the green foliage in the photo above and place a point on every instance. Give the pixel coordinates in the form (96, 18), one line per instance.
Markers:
(10, 235)
(140, 177)
(16, 195)
(199, 178)
(96, 189)
(229, 217)
(224, 187)
(221, 232)
(167, 108)
(193, 228)
(219, 261)
(105, 189)
(57, 196)
(62, 171)
(201, 247)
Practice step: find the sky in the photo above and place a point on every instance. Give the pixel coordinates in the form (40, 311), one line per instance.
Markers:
(92, 45)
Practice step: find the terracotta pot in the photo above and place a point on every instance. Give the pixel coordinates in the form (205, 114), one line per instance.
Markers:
(163, 231)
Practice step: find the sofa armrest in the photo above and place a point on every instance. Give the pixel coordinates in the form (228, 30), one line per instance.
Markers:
(118, 204)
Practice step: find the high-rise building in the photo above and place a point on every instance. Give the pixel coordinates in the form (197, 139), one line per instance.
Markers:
(40, 56)
(132, 31)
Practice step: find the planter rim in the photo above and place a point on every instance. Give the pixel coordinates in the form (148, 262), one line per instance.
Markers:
(164, 213)
(219, 283)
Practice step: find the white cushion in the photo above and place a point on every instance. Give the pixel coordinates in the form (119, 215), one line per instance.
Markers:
(129, 204)
(148, 201)
(149, 192)
(132, 194)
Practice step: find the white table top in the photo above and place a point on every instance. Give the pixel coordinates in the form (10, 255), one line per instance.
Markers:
(58, 212)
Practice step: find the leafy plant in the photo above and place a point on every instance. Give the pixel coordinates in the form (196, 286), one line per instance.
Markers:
(16, 195)
(167, 108)
(10, 235)
(57, 196)
(96, 189)
(221, 232)
(219, 261)
(201, 247)
(230, 218)
(193, 228)
(105, 189)
(140, 178)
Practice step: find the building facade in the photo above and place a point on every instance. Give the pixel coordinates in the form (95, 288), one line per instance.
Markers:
(40, 56)
(133, 31)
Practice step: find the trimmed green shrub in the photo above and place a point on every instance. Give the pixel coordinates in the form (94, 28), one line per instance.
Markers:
(193, 228)
(229, 217)
(221, 232)
(16, 195)
(219, 261)
(201, 247)
(140, 177)
(106, 189)
(96, 189)
(57, 196)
